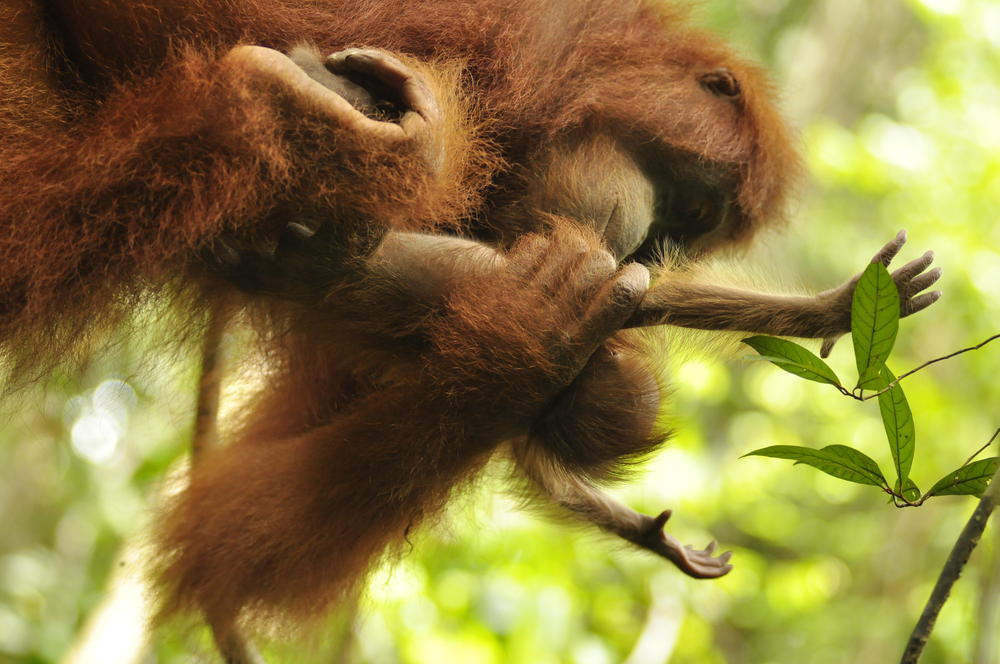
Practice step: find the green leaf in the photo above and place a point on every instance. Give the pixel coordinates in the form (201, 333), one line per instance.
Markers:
(970, 480)
(874, 322)
(793, 358)
(840, 461)
(898, 422)
(911, 491)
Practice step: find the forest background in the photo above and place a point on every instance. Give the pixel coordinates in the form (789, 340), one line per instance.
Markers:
(898, 107)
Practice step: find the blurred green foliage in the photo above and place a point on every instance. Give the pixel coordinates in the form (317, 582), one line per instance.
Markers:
(898, 108)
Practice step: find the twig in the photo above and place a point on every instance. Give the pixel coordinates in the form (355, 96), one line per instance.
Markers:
(207, 410)
(234, 648)
(983, 448)
(898, 496)
(987, 647)
(959, 556)
(924, 366)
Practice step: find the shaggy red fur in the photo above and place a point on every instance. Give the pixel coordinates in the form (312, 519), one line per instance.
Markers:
(131, 145)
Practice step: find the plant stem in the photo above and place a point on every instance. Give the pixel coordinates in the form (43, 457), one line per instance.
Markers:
(209, 389)
(234, 648)
(959, 556)
(980, 450)
(923, 366)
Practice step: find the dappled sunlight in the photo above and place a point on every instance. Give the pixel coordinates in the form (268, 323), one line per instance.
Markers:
(905, 135)
(947, 7)
(100, 420)
(899, 145)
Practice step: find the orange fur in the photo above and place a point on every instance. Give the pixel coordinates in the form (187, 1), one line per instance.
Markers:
(131, 146)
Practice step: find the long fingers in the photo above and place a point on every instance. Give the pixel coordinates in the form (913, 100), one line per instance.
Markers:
(613, 304)
(913, 278)
(311, 64)
(919, 303)
(699, 564)
(923, 281)
(388, 70)
(525, 259)
(560, 262)
(889, 251)
(595, 296)
(910, 279)
(913, 268)
(571, 267)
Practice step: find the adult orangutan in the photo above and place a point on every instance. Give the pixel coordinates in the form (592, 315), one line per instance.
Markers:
(439, 229)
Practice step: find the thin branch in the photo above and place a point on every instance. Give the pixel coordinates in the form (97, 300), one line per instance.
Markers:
(983, 448)
(924, 366)
(900, 500)
(207, 409)
(959, 556)
(232, 645)
(986, 649)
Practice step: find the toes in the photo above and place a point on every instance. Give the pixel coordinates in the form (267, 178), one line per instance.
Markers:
(710, 568)
(389, 71)
(889, 251)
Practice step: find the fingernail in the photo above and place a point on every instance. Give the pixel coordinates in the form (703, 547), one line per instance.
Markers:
(300, 230)
(227, 254)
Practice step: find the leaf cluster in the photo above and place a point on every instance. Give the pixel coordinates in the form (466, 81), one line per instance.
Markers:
(875, 311)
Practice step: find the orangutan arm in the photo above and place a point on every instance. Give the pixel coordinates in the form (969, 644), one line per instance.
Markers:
(577, 498)
(688, 303)
(127, 190)
(290, 523)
